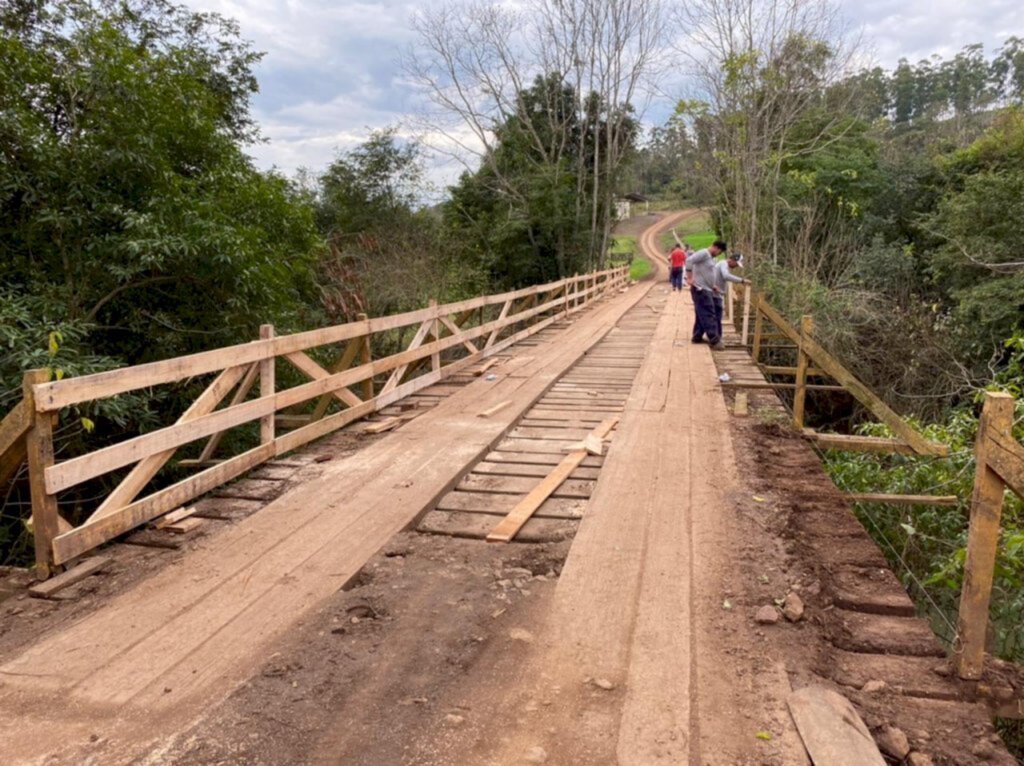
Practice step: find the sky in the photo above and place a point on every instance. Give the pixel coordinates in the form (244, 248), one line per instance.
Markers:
(332, 73)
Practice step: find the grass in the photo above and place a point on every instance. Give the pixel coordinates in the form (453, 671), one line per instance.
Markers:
(639, 269)
(623, 247)
(693, 231)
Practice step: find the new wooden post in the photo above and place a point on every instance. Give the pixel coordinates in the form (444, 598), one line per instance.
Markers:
(799, 397)
(746, 315)
(730, 300)
(435, 330)
(39, 450)
(758, 328)
(366, 357)
(982, 540)
(267, 387)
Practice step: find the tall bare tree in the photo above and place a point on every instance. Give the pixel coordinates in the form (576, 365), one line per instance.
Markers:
(476, 60)
(759, 68)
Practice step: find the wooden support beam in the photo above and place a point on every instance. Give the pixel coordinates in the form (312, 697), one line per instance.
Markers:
(879, 497)
(302, 362)
(746, 314)
(353, 350)
(267, 387)
(800, 395)
(509, 526)
(878, 444)
(982, 539)
(758, 328)
(13, 428)
(239, 396)
(366, 358)
(148, 467)
(829, 364)
(39, 451)
(174, 517)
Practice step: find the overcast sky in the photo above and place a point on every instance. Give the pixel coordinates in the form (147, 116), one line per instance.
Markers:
(331, 68)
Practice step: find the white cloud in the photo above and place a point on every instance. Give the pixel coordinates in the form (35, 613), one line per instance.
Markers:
(331, 72)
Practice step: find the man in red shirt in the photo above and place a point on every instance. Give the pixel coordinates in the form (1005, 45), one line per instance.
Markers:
(678, 259)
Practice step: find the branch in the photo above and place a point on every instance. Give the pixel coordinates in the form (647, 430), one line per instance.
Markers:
(121, 288)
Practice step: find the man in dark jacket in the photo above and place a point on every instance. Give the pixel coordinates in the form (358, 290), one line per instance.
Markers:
(702, 277)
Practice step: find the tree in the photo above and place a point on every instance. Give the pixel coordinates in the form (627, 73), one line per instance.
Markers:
(129, 212)
(760, 67)
(480, 62)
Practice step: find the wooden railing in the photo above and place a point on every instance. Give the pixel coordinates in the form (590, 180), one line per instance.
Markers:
(812, 360)
(999, 466)
(448, 338)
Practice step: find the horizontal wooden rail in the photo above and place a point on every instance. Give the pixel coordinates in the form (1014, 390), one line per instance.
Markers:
(440, 347)
(879, 497)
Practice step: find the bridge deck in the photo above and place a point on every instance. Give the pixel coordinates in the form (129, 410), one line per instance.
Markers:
(645, 650)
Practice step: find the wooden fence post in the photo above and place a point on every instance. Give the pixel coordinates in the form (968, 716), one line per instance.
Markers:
(730, 300)
(758, 328)
(435, 331)
(799, 397)
(982, 540)
(365, 357)
(267, 386)
(746, 315)
(39, 449)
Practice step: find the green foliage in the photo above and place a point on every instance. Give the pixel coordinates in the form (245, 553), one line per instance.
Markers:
(535, 211)
(639, 268)
(133, 225)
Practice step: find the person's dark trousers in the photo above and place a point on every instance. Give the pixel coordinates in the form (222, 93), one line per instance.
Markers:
(676, 277)
(704, 308)
(719, 313)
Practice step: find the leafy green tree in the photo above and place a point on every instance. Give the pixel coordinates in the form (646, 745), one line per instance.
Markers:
(128, 208)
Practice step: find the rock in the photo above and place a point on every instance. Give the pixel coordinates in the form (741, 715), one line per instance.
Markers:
(767, 615)
(919, 759)
(893, 742)
(454, 719)
(518, 634)
(604, 683)
(793, 608)
(983, 750)
(536, 755)
(871, 687)
(813, 589)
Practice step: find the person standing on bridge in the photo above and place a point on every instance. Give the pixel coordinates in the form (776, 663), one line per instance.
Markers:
(678, 259)
(702, 277)
(723, 276)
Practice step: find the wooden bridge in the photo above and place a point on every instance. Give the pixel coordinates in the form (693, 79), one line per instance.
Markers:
(574, 417)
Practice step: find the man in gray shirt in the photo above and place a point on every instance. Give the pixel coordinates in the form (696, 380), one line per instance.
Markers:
(702, 277)
(723, 276)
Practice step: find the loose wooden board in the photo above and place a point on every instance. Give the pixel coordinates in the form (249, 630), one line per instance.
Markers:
(49, 588)
(831, 729)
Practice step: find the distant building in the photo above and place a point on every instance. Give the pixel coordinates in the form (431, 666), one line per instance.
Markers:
(624, 205)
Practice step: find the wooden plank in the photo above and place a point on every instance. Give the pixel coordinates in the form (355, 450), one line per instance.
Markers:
(492, 410)
(382, 426)
(174, 517)
(831, 729)
(829, 364)
(485, 367)
(741, 406)
(59, 394)
(11, 461)
(507, 528)
(879, 497)
(746, 314)
(852, 443)
(982, 539)
(184, 526)
(91, 534)
(456, 330)
(148, 467)
(76, 574)
(39, 451)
